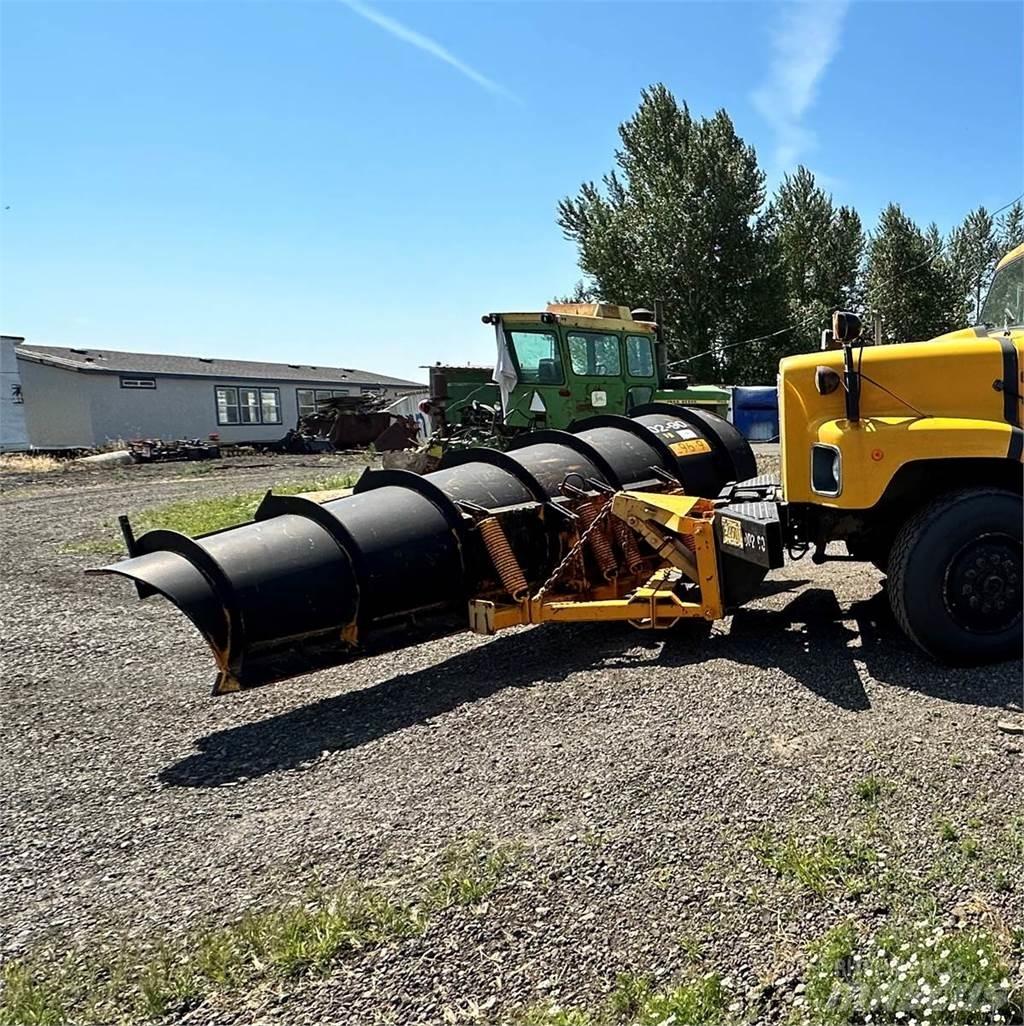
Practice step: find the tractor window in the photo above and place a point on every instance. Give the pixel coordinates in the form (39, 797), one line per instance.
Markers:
(537, 356)
(639, 356)
(594, 355)
(1004, 305)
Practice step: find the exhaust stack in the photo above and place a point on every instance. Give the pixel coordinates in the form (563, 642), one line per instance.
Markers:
(307, 585)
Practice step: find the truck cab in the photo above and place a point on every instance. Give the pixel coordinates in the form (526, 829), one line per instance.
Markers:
(911, 454)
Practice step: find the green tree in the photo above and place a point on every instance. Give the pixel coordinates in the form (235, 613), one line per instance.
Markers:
(908, 281)
(677, 220)
(820, 248)
(1011, 228)
(974, 250)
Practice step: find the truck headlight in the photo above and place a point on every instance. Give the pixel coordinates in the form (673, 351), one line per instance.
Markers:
(826, 469)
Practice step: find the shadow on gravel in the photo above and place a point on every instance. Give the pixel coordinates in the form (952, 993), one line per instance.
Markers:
(359, 717)
(809, 639)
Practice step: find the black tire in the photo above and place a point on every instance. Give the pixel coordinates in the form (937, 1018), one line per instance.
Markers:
(955, 577)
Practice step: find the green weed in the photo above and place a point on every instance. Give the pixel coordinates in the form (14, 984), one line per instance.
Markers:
(468, 872)
(819, 864)
(700, 1001)
(869, 789)
(947, 830)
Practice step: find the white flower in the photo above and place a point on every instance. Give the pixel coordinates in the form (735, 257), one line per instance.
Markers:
(943, 978)
(983, 963)
(944, 953)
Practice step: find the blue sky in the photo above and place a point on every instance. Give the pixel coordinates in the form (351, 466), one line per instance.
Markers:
(354, 184)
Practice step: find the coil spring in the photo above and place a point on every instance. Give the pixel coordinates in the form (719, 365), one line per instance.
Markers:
(600, 543)
(627, 543)
(504, 559)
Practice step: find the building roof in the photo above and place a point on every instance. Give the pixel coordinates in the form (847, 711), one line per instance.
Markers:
(111, 361)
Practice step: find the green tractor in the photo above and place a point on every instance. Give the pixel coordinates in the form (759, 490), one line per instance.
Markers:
(571, 361)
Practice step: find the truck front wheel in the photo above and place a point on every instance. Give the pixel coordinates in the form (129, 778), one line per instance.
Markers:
(955, 577)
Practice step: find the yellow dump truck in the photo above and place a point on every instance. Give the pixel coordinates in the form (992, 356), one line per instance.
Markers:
(910, 454)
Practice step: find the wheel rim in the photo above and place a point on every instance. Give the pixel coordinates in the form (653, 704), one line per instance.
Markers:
(982, 585)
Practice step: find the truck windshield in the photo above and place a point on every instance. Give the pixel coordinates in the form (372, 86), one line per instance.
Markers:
(1004, 305)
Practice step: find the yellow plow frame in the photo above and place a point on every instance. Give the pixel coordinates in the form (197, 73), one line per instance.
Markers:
(680, 529)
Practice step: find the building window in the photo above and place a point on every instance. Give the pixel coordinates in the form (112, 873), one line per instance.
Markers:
(313, 400)
(270, 405)
(249, 405)
(241, 405)
(138, 382)
(227, 405)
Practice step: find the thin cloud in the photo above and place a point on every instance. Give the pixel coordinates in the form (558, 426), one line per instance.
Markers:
(427, 45)
(803, 46)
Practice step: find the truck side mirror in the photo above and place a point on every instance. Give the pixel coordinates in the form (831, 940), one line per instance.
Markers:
(846, 326)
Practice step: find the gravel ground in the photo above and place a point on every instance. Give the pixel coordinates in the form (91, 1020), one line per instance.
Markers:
(633, 769)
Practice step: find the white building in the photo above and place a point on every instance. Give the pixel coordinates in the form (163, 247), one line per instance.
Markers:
(84, 398)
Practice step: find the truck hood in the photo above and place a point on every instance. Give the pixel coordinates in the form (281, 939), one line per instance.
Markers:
(980, 331)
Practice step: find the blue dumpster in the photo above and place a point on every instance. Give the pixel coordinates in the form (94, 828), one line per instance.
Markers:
(755, 412)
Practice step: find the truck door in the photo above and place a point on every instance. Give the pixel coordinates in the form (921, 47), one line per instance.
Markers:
(595, 366)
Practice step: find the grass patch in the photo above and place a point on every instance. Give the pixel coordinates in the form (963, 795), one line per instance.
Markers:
(819, 864)
(468, 872)
(948, 831)
(138, 982)
(201, 516)
(172, 975)
(28, 463)
(922, 972)
(869, 789)
(701, 1001)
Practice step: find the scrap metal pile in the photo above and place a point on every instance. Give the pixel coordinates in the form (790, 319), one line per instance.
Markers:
(352, 421)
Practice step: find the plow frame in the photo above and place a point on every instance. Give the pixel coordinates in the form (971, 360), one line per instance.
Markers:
(680, 530)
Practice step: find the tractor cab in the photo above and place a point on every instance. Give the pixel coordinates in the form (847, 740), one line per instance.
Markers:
(570, 361)
(574, 360)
